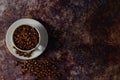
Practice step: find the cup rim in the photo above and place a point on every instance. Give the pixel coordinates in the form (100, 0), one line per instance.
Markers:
(32, 48)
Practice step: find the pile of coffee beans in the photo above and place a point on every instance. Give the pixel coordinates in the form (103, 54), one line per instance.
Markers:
(42, 68)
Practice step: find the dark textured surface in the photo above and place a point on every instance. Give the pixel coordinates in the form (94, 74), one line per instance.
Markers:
(85, 34)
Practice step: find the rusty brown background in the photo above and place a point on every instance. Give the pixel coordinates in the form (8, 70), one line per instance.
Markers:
(86, 33)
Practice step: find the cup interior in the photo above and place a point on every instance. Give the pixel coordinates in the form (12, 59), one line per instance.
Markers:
(29, 50)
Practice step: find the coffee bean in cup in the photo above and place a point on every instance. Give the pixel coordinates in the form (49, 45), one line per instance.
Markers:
(25, 37)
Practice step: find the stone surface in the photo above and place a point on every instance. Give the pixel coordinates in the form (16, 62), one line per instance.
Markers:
(84, 33)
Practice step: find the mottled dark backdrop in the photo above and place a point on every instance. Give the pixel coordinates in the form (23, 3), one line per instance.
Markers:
(84, 33)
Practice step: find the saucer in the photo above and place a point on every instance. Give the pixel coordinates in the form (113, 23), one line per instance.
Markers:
(25, 21)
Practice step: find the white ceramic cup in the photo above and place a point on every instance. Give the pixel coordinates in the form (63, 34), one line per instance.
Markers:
(27, 51)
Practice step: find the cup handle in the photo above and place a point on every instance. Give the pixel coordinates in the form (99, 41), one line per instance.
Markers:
(41, 48)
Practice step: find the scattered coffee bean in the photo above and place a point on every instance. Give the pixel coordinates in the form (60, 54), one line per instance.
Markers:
(40, 68)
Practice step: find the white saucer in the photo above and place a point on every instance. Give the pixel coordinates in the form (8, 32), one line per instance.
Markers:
(33, 23)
